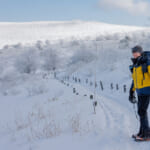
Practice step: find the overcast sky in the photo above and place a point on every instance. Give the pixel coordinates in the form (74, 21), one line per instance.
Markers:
(128, 12)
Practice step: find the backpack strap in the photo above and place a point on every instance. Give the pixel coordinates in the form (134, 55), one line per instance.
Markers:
(144, 69)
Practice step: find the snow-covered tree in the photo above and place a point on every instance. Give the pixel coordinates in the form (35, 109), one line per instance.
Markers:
(27, 62)
(83, 55)
(51, 59)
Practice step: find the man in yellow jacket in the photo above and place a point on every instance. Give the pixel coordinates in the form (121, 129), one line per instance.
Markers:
(141, 84)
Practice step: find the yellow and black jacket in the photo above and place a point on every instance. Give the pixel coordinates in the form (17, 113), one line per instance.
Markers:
(141, 78)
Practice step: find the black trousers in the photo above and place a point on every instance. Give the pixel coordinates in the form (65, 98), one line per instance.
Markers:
(143, 103)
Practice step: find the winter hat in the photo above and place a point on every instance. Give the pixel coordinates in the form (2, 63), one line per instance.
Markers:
(138, 49)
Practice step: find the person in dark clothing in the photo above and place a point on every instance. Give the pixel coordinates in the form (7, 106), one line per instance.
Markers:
(141, 84)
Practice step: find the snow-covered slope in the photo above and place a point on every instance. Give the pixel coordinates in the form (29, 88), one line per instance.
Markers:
(40, 112)
(56, 118)
(13, 33)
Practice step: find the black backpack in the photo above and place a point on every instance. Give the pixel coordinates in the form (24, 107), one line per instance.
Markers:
(145, 60)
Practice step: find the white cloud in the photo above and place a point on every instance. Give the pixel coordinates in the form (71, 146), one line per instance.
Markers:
(134, 7)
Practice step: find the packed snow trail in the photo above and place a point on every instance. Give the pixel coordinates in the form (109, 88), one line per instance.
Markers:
(119, 120)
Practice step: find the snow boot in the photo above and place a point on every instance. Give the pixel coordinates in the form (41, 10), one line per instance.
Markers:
(143, 137)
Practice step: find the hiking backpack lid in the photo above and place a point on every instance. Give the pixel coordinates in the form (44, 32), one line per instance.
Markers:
(146, 56)
(146, 61)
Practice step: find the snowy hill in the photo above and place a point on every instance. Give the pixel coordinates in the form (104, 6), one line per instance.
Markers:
(41, 111)
(13, 33)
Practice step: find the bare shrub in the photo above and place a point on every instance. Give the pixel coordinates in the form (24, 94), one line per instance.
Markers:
(48, 129)
(81, 126)
(75, 123)
(36, 125)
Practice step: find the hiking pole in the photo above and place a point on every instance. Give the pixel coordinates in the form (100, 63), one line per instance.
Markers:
(134, 109)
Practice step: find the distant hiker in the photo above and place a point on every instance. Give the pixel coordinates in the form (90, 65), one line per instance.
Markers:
(141, 84)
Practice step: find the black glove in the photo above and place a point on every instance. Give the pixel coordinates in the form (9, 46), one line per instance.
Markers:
(132, 97)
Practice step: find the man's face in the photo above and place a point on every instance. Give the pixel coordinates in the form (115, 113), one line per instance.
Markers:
(136, 55)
